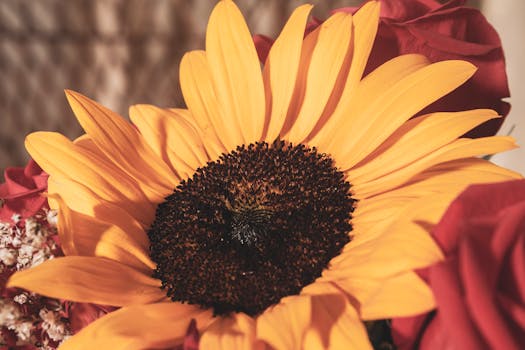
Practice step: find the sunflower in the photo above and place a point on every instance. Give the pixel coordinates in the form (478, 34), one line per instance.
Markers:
(280, 209)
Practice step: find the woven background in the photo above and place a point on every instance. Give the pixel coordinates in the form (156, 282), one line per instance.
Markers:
(118, 52)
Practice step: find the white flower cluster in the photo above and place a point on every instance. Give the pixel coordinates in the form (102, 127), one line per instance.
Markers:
(52, 324)
(33, 319)
(25, 326)
(26, 246)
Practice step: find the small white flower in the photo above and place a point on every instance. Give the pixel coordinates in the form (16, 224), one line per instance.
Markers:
(8, 256)
(52, 217)
(39, 257)
(25, 256)
(32, 226)
(52, 324)
(23, 330)
(37, 240)
(16, 218)
(16, 241)
(9, 313)
(21, 298)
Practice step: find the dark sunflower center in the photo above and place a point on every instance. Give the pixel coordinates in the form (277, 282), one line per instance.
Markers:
(258, 224)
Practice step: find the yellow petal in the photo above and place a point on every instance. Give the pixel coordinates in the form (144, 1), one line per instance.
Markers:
(203, 102)
(155, 326)
(122, 143)
(213, 146)
(461, 148)
(64, 160)
(473, 170)
(236, 331)
(86, 236)
(364, 28)
(400, 296)
(199, 94)
(388, 248)
(236, 72)
(300, 85)
(324, 70)
(313, 322)
(453, 176)
(82, 200)
(360, 269)
(281, 69)
(89, 280)
(381, 114)
(172, 137)
(394, 252)
(85, 142)
(411, 141)
(374, 214)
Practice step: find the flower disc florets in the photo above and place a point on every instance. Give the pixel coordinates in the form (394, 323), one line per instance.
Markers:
(254, 226)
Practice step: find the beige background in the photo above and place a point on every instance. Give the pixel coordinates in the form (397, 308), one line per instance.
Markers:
(507, 17)
(122, 52)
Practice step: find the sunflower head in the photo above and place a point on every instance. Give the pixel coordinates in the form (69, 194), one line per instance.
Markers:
(265, 217)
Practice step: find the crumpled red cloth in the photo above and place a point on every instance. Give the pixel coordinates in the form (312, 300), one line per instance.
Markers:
(440, 32)
(21, 192)
(480, 286)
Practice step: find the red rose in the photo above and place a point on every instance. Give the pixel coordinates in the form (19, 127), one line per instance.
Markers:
(21, 192)
(480, 286)
(441, 32)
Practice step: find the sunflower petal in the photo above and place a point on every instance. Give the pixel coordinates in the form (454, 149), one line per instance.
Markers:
(200, 96)
(86, 236)
(379, 116)
(411, 142)
(365, 24)
(449, 177)
(86, 143)
(313, 322)
(139, 327)
(403, 246)
(236, 331)
(300, 85)
(62, 159)
(357, 272)
(122, 143)
(400, 296)
(82, 200)
(376, 213)
(213, 146)
(89, 280)
(461, 148)
(399, 251)
(281, 69)
(324, 70)
(235, 68)
(172, 137)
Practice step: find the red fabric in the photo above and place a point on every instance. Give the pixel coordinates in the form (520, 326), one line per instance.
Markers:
(21, 192)
(443, 32)
(480, 287)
